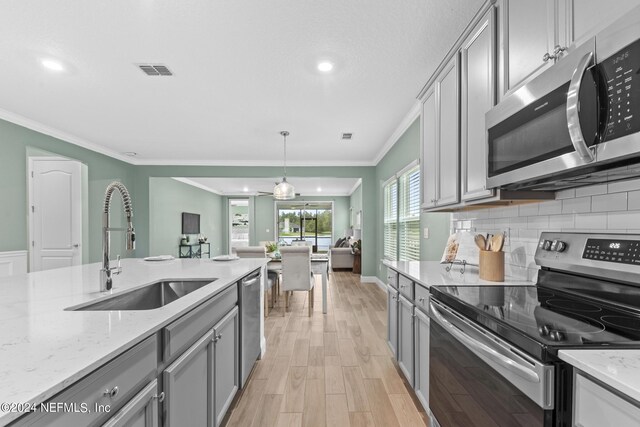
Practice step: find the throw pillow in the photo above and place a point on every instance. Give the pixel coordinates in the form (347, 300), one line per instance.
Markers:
(340, 242)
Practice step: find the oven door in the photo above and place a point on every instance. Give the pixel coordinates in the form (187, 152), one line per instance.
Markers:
(548, 126)
(475, 378)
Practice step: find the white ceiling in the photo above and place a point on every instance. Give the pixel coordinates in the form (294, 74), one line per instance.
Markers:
(305, 186)
(244, 70)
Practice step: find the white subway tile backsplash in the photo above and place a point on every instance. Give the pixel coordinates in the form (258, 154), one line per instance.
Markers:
(592, 190)
(623, 220)
(577, 205)
(550, 208)
(588, 221)
(529, 209)
(634, 200)
(565, 194)
(538, 222)
(609, 202)
(620, 186)
(561, 222)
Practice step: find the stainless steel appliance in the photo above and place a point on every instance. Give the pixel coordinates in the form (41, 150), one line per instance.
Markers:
(578, 123)
(494, 349)
(249, 324)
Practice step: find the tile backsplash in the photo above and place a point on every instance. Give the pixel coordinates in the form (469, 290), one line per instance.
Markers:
(613, 207)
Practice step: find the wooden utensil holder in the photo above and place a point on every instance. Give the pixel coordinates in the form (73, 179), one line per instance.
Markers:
(491, 266)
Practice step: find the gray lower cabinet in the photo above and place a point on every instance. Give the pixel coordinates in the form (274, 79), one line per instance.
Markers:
(188, 386)
(200, 385)
(226, 362)
(141, 411)
(405, 338)
(421, 357)
(392, 320)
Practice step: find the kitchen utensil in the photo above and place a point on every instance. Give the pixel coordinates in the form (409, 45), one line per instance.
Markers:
(487, 245)
(497, 241)
(480, 241)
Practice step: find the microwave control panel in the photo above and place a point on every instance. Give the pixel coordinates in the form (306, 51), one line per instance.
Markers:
(621, 74)
(620, 251)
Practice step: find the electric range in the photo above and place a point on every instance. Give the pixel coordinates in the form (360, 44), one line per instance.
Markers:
(587, 296)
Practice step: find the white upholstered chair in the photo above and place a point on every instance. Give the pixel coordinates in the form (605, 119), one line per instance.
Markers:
(296, 272)
(272, 276)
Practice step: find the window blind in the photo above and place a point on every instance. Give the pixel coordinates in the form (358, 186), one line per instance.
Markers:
(390, 239)
(409, 215)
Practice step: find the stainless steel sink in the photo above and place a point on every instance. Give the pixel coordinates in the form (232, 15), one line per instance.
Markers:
(148, 297)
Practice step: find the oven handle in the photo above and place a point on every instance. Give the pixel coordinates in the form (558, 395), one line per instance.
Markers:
(478, 347)
(573, 116)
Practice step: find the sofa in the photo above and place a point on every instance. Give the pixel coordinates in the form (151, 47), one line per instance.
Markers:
(341, 257)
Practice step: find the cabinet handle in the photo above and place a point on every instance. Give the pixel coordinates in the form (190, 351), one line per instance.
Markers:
(546, 57)
(160, 397)
(217, 338)
(557, 51)
(421, 299)
(111, 393)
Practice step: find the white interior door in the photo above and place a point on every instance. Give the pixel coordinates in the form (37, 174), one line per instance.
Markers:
(56, 213)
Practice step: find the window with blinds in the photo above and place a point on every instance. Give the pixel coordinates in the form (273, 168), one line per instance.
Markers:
(409, 215)
(390, 201)
(401, 200)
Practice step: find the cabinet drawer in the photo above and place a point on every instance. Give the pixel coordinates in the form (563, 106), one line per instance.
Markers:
(179, 335)
(405, 286)
(123, 377)
(595, 406)
(422, 298)
(392, 278)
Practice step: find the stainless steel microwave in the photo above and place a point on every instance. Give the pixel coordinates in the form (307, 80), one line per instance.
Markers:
(577, 123)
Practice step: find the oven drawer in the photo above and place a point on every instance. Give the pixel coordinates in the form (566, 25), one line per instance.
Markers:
(595, 406)
(405, 286)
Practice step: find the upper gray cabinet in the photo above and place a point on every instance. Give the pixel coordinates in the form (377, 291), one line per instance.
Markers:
(441, 143)
(584, 18)
(477, 96)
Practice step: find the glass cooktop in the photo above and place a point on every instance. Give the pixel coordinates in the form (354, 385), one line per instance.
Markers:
(541, 320)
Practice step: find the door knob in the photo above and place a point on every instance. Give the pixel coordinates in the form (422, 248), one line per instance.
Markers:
(76, 245)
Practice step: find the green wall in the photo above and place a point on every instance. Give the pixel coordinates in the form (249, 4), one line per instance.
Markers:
(15, 141)
(403, 152)
(355, 202)
(168, 198)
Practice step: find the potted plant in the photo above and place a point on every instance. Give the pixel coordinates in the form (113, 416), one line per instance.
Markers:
(271, 247)
(356, 246)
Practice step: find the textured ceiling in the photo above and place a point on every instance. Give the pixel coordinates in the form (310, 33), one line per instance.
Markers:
(244, 70)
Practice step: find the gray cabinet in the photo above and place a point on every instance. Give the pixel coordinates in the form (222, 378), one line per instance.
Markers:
(140, 411)
(596, 405)
(421, 357)
(188, 386)
(441, 142)
(477, 97)
(226, 362)
(405, 338)
(392, 320)
(585, 17)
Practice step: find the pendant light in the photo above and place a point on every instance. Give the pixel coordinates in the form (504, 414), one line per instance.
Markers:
(284, 190)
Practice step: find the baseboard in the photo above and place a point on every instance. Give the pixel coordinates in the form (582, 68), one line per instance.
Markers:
(13, 263)
(373, 279)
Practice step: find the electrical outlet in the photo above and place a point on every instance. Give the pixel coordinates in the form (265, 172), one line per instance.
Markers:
(425, 233)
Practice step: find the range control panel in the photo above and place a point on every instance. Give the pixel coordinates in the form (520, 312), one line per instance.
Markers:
(620, 74)
(610, 250)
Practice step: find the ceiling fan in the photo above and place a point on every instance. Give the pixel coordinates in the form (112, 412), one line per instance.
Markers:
(269, 193)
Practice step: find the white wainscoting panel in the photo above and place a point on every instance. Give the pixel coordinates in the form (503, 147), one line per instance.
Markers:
(12, 263)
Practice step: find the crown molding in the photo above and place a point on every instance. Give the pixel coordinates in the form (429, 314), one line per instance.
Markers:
(63, 136)
(197, 184)
(408, 119)
(355, 186)
(250, 163)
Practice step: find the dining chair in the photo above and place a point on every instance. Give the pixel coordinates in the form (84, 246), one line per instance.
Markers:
(273, 281)
(296, 273)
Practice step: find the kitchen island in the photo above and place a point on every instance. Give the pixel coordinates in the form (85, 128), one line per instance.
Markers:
(45, 348)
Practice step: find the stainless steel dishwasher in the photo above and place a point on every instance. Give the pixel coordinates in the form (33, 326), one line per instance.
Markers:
(249, 324)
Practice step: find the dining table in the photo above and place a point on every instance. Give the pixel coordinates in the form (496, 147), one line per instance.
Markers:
(319, 265)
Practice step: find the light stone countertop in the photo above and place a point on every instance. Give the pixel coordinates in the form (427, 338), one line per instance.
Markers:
(44, 349)
(619, 369)
(432, 273)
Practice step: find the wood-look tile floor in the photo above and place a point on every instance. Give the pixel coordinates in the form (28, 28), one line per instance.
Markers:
(328, 370)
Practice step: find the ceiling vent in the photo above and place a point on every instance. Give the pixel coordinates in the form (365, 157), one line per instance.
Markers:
(347, 136)
(155, 70)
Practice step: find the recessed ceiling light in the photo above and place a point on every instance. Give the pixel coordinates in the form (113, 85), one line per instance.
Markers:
(319, 189)
(52, 65)
(245, 189)
(130, 153)
(325, 66)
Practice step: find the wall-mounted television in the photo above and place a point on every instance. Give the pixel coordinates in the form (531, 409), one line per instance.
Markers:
(190, 223)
